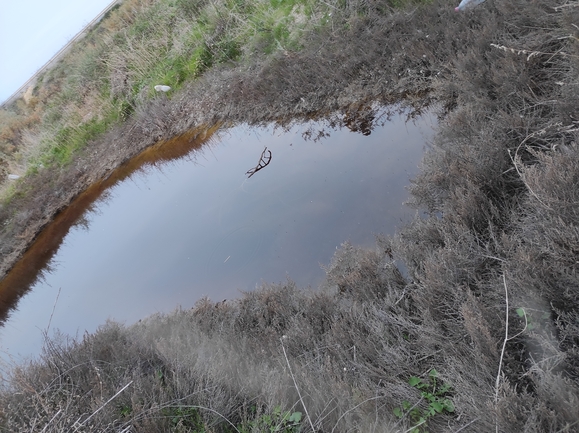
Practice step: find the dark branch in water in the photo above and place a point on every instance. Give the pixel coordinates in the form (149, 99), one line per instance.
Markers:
(264, 161)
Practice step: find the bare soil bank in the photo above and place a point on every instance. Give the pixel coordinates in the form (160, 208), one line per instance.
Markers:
(491, 300)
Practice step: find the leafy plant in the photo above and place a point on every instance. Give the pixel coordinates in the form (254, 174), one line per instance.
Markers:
(278, 421)
(125, 410)
(434, 393)
(532, 320)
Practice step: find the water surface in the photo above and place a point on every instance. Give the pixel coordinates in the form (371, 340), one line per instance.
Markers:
(197, 226)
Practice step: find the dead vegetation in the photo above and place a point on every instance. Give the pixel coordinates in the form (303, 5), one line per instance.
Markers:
(485, 289)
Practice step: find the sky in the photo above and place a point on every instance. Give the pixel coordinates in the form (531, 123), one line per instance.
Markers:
(32, 31)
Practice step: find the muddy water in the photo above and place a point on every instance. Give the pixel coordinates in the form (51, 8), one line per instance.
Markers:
(197, 226)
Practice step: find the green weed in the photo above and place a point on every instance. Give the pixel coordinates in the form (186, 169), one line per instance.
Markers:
(532, 321)
(435, 394)
(125, 410)
(70, 139)
(278, 421)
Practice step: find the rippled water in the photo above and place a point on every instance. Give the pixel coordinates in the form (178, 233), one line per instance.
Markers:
(198, 226)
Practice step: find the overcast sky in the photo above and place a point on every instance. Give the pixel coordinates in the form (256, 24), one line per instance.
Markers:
(32, 31)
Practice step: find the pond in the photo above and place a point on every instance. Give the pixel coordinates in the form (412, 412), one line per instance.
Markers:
(197, 226)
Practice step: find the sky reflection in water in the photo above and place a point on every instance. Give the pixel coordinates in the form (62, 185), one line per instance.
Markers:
(198, 226)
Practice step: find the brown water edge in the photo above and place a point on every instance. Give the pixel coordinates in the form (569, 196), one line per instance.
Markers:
(19, 280)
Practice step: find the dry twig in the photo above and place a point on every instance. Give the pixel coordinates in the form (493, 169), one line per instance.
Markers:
(264, 161)
(507, 338)
(296, 385)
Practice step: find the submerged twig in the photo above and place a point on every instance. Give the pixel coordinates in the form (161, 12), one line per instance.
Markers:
(264, 161)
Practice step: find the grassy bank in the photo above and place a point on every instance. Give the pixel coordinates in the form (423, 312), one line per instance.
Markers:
(112, 72)
(479, 333)
(97, 108)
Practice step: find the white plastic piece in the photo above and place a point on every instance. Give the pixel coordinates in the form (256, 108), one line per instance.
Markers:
(465, 4)
(162, 88)
(13, 176)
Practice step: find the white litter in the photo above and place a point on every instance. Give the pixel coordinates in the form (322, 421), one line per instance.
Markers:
(13, 176)
(466, 4)
(162, 88)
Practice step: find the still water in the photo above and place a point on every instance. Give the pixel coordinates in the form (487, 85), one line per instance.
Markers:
(198, 226)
